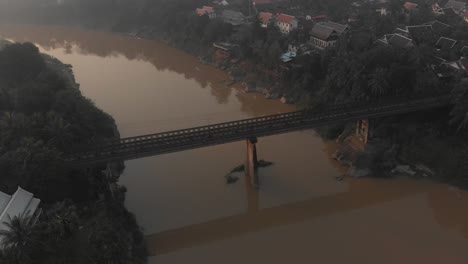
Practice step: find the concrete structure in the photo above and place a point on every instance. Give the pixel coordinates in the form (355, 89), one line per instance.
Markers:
(20, 204)
(251, 163)
(363, 130)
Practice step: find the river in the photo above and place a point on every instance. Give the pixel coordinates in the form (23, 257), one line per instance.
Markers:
(301, 214)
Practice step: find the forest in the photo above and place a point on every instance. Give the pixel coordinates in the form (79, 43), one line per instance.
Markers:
(42, 117)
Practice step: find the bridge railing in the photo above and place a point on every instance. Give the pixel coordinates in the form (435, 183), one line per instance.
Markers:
(255, 126)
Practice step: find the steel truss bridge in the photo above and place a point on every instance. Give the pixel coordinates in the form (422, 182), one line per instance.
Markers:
(203, 136)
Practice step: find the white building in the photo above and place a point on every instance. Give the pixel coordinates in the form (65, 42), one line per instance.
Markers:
(286, 23)
(20, 204)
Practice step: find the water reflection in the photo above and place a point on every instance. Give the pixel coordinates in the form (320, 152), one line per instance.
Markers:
(162, 57)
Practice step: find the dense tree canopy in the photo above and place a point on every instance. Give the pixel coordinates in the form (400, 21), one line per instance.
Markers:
(41, 118)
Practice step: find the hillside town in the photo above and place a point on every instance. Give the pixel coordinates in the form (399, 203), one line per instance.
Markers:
(440, 32)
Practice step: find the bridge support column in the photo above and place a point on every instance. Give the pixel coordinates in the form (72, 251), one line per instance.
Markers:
(251, 164)
(363, 130)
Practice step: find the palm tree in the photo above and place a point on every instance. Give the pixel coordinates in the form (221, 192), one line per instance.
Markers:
(12, 126)
(63, 219)
(29, 146)
(59, 130)
(378, 83)
(18, 240)
(7, 125)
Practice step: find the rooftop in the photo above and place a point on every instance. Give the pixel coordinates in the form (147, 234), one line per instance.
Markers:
(439, 27)
(464, 51)
(265, 17)
(283, 18)
(322, 32)
(457, 6)
(339, 28)
(446, 43)
(420, 33)
(21, 203)
(204, 10)
(233, 17)
(402, 32)
(400, 41)
(410, 5)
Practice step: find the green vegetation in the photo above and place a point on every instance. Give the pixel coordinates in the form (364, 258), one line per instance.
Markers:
(41, 116)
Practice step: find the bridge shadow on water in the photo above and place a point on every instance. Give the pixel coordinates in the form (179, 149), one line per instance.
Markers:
(361, 194)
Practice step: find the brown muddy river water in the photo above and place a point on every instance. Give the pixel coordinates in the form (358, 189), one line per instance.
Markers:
(301, 214)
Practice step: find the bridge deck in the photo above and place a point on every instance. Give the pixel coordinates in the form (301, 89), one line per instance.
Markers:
(197, 137)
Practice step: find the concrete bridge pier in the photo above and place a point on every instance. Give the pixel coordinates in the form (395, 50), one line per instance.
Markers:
(364, 130)
(251, 164)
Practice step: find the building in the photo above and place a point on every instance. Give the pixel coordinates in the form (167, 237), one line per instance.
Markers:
(317, 19)
(382, 11)
(403, 32)
(396, 40)
(265, 18)
(445, 43)
(437, 10)
(459, 67)
(339, 28)
(322, 36)
(457, 6)
(440, 28)
(409, 6)
(234, 18)
(421, 34)
(286, 23)
(21, 203)
(465, 16)
(464, 51)
(206, 10)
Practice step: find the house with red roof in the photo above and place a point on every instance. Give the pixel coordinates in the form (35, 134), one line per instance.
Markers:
(465, 16)
(265, 18)
(409, 6)
(286, 23)
(206, 10)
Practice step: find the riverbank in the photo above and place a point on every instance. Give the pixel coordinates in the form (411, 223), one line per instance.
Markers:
(382, 157)
(81, 220)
